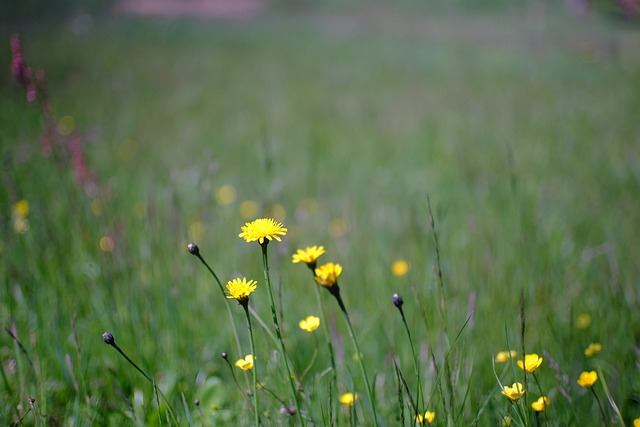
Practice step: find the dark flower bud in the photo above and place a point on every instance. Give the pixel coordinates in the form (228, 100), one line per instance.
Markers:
(108, 338)
(196, 402)
(224, 355)
(397, 300)
(32, 400)
(193, 249)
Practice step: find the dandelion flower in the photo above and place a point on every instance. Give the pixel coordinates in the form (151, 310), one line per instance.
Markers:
(504, 356)
(400, 268)
(531, 362)
(427, 418)
(327, 274)
(540, 404)
(514, 392)
(263, 230)
(583, 321)
(587, 379)
(309, 255)
(309, 324)
(593, 348)
(240, 289)
(246, 363)
(348, 399)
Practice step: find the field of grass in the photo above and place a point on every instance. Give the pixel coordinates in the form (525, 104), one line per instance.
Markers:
(521, 126)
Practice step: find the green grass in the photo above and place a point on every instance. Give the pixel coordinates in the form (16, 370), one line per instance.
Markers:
(520, 125)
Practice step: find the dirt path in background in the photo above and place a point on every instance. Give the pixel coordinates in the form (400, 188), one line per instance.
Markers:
(205, 9)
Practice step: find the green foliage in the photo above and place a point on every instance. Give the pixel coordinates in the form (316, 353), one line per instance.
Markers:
(521, 128)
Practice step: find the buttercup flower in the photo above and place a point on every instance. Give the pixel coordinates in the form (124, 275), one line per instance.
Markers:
(587, 379)
(246, 363)
(309, 255)
(348, 399)
(427, 418)
(240, 289)
(531, 362)
(263, 230)
(309, 324)
(400, 267)
(514, 392)
(504, 356)
(327, 274)
(593, 348)
(540, 404)
(636, 422)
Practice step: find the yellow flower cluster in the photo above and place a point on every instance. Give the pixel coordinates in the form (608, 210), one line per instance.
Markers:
(427, 418)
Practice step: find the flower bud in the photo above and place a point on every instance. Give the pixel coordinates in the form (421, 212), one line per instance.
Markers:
(108, 338)
(397, 300)
(193, 249)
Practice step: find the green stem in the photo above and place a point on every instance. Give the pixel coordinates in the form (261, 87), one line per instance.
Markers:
(416, 365)
(255, 365)
(335, 291)
(276, 324)
(604, 417)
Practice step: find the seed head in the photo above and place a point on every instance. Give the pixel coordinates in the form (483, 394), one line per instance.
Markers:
(397, 300)
(108, 338)
(193, 249)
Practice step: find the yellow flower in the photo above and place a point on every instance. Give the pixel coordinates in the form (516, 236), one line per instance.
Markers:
(248, 209)
(246, 363)
(21, 208)
(540, 404)
(240, 289)
(226, 194)
(327, 274)
(504, 356)
(593, 348)
(636, 422)
(428, 418)
(309, 255)
(400, 267)
(506, 420)
(514, 392)
(583, 321)
(531, 362)
(348, 399)
(587, 379)
(309, 324)
(261, 229)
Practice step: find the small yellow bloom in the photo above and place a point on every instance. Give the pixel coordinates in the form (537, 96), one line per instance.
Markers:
(348, 399)
(261, 229)
(327, 274)
(531, 362)
(226, 194)
(246, 363)
(400, 267)
(248, 209)
(636, 422)
(309, 255)
(309, 324)
(240, 289)
(504, 356)
(583, 321)
(427, 418)
(21, 208)
(540, 404)
(587, 379)
(514, 392)
(506, 421)
(593, 348)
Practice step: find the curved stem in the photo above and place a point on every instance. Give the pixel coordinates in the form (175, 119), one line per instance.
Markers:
(335, 291)
(276, 324)
(255, 366)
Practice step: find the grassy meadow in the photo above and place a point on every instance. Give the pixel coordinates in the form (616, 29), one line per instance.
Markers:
(517, 128)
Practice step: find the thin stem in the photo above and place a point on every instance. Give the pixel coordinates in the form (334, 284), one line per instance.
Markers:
(255, 365)
(276, 324)
(229, 313)
(416, 365)
(335, 291)
(604, 417)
